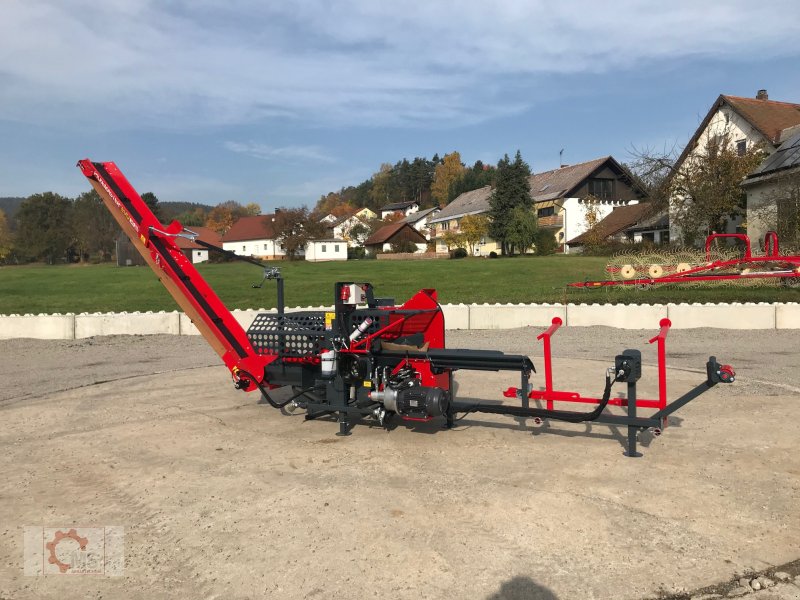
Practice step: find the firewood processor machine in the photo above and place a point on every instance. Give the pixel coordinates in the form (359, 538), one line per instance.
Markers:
(371, 360)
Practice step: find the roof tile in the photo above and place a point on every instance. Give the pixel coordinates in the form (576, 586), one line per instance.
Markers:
(251, 228)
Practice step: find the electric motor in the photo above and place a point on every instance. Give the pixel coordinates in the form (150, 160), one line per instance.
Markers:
(414, 402)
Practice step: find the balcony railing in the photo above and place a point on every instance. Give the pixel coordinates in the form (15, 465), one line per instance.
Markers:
(551, 221)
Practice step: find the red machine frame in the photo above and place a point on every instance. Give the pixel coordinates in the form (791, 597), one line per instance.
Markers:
(787, 267)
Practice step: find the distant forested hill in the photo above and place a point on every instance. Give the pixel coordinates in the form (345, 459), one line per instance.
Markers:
(184, 212)
(10, 205)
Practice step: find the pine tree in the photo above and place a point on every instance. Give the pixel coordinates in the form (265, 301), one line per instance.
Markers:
(512, 190)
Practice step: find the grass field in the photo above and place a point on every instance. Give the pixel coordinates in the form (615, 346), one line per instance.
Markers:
(107, 288)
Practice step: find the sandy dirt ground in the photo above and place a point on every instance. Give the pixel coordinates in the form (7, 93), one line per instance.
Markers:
(223, 497)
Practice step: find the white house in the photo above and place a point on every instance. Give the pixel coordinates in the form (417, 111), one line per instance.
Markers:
(343, 229)
(420, 220)
(324, 250)
(558, 199)
(742, 123)
(194, 251)
(254, 236)
(406, 208)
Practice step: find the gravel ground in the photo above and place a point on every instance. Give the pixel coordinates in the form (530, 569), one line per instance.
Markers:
(223, 497)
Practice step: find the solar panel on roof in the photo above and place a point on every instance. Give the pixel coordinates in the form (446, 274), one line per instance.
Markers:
(787, 155)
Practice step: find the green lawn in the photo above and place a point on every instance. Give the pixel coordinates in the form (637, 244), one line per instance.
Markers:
(107, 288)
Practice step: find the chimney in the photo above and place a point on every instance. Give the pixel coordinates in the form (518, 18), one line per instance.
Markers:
(762, 95)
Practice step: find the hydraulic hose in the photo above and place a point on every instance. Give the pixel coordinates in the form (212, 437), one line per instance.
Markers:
(558, 415)
(266, 395)
(572, 417)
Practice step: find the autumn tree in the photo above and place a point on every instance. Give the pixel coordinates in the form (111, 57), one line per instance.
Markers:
(474, 228)
(445, 176)
(43, 227)
(6, 244)
(224, 215)
(512, 190)
(393, 218)
(706, 190)
(592, 236)
(294, 228)
(475, 177)
(453, 239)
(252, 209)
(380, 192)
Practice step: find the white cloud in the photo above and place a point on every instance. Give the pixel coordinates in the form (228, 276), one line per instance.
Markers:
(325, 62)
(287, 153)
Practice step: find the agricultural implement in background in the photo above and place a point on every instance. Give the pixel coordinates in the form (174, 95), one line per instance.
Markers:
(369, 359)
(716, 266)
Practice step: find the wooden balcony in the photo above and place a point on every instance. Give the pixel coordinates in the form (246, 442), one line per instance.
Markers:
(551, 222)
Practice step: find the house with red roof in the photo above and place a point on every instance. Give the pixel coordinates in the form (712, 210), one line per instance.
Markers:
(194, 251)
(742, 123)
(254, 236)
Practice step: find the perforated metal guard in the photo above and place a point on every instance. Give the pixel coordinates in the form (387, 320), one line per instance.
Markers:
(300, 335)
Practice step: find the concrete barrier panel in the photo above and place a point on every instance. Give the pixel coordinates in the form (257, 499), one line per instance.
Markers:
(621, 316)
(723, 316)
(186, 326)
(290, 309)
(135, 323)
(40, 327)
(456, 316)
(507, 316)
(787, 316)
(246, 317)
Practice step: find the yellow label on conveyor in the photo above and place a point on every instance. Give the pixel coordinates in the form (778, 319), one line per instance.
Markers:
(329, 317)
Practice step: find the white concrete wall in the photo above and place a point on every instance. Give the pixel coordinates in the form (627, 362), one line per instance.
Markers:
(457, 316)
(507, 316)
(40, 327)
(136, 323)
(329, 250)
(621, 316)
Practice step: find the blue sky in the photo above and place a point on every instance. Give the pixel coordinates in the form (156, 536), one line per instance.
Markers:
(280, 102)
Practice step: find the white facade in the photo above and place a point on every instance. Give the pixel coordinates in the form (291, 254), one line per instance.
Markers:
(324, 250)
(422, 225)
(411, 209)
(726, 122)
(263, 247)
(573, 212)
(421, 248)
(342, 231)
(199, 256)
